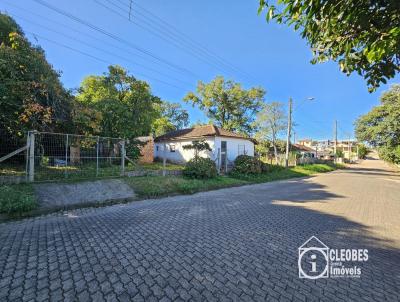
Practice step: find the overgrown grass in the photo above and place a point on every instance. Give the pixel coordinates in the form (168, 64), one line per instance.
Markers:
(280, 173)
(159, 166)
(156, 186)
(17, 199)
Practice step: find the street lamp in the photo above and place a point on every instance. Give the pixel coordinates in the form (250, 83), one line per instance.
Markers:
(289, 129)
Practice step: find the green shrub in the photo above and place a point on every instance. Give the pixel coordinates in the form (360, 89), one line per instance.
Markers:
(245, 164)
(16, 199)
(200, 167)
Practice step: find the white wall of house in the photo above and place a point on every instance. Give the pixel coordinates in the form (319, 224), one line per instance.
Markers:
(235, 147)
(176, 153)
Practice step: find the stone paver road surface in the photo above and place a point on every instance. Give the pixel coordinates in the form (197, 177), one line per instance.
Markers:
(231, 244)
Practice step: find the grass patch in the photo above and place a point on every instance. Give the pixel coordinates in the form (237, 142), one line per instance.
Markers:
(280, 173)
(155, 186)
(17, 199)
(159, 166)
(11, 169)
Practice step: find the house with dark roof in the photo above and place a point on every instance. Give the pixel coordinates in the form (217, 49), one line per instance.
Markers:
(225, 145)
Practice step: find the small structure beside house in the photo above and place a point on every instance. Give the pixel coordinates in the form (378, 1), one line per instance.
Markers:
(225, 145)
(146, 149)
(306, 152)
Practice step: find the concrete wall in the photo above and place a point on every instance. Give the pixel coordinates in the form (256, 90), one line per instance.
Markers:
(235, 147)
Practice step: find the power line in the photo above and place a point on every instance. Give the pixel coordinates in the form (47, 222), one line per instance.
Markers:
(165, 36)
(182, 37)
(90, 36)
(100, 49)
(114, 37)
(91, 56)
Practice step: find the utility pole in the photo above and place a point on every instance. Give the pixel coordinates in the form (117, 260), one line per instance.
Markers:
(288, 132)
(294, 136)
(350, 147)
(335, 140)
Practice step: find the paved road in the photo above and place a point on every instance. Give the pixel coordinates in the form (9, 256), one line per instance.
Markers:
(231, 244)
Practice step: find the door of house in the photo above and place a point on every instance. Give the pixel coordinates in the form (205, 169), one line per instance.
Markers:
(223, 156)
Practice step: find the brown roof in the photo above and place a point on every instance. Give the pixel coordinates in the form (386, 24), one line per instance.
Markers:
(201, 131)
(302, 148)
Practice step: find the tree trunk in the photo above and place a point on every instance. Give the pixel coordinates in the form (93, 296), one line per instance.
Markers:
(275, 149)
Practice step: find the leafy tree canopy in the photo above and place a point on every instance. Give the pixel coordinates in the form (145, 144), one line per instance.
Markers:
(227, 104)
(125, 105)
(31, 94)
(381, 126)
(172, 117)
(362, 36)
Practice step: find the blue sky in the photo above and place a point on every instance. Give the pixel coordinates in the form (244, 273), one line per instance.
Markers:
(268, 55)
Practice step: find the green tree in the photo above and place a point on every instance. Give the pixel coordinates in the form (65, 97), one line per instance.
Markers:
(362, 151)
(271, 121)
(381, 126)
(172, 117)
(125, 106)
(363, 36)
(31, 94)
(227, 104)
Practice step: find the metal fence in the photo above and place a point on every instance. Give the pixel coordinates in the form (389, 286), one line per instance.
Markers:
(13, 154)
(56, 156)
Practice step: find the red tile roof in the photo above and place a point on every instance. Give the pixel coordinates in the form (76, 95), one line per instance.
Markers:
(302, 148)
(201, 131)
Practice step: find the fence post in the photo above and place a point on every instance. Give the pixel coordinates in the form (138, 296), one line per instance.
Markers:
(164, 159)
(97, 157)
(123, 158)
(31, 169)
(66, 155)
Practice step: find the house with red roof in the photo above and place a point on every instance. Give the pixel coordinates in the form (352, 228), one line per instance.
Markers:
(225, 145)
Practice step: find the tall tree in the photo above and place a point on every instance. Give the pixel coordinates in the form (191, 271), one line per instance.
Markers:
(31, 94)
(381, 126)
(363, 36)
(172, 117)
(125, 105)
(271, 121)
(227, 104)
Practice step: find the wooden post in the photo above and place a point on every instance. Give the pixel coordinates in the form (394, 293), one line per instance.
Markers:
(123, 158)
(97, 157)
(288, 133)
(164, 159)
(31, 170)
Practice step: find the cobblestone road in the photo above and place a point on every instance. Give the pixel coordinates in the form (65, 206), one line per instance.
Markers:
(231, 244)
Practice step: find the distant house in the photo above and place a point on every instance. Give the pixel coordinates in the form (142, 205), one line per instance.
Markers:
(225, 145)
(306, 152)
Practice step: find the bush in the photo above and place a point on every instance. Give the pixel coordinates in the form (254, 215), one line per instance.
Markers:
(200, 167)
(16, 199)
(245, 164)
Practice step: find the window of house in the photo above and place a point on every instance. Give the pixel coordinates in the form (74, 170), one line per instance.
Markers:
(172, 148)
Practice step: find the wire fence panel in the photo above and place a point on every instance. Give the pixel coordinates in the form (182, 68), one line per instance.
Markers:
(69, 156)
(12, 158)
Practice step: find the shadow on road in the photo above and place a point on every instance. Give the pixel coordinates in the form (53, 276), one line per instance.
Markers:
(237, 242)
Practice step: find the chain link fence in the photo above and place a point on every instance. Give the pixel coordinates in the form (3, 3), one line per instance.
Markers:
(13, 155)
(43, 156)
(68, 156)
